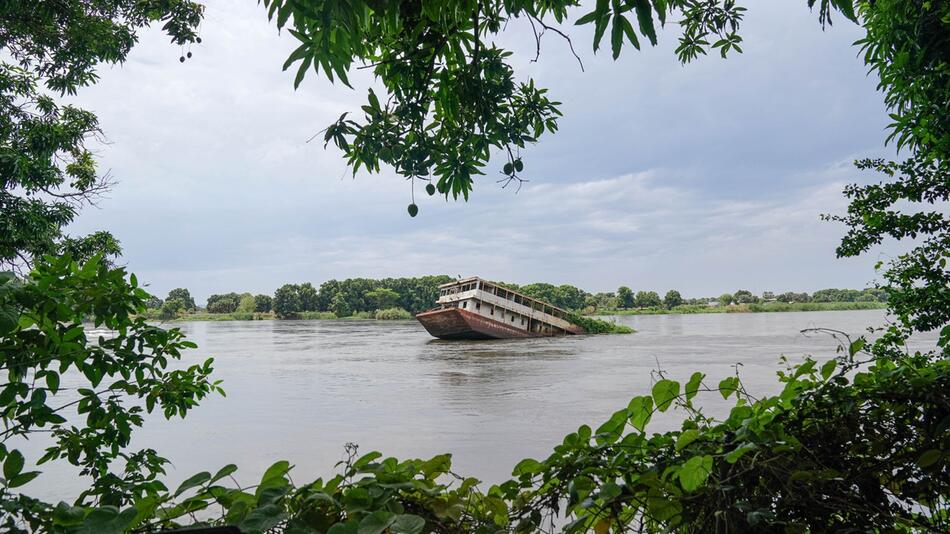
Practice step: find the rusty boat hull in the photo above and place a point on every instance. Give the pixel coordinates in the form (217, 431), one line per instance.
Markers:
(456, 323)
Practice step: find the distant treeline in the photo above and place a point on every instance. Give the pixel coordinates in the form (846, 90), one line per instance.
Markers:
(363, 297)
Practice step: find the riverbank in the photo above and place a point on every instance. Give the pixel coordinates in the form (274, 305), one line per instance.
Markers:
(764, 307)
(402, 315)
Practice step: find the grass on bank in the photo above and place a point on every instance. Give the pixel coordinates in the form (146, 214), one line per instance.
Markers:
(762, 307)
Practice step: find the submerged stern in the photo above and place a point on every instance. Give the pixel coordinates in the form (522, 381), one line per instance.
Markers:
(456, 323)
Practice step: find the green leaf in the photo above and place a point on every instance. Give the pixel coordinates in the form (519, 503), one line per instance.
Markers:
(22, 478)
(610, 491)
(52, 381)
(73, 333)
(847, 9)
(611, 430)
(828, 369)
(695, 471)
(13, 464)
(367, 459)
(528, 466)
(686, 437)
(645, 18)
(350, 527)
(693, 385)
(302, 71)
(437, 465)
(407, 524)
(376, 522)
(599, 29)
(616, 35)
(587, 19)
(192, 482)
(857, 346)
(227, 470)
(108, 520)
(739, 452)
(275, 476)
(639, 411)
(728, 386)
(631, 35)
(664, 392)
(929, 458)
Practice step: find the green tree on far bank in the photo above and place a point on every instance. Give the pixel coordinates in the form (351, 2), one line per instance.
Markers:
(647, 299)
(308, 297)
(247, 304)
(287, 301)
(725, 299)
(625, 296)
(183, 296)
(744, 296)
(340, 306)
(672, 299)
(383, 298)
(263, 303)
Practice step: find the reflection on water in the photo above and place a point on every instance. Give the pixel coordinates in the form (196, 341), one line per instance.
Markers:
(300, 390)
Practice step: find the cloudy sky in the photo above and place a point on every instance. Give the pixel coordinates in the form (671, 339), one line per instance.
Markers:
(704, 178)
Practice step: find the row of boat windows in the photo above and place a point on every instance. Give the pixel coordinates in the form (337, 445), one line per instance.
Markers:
(503, 293)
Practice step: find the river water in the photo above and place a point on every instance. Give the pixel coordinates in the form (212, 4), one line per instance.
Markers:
(300, 390)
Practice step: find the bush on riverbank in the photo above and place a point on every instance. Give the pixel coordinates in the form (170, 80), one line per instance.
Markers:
(599, 326)
(393, 314)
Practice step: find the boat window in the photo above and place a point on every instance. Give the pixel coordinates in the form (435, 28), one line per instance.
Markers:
(522, 321)
(492, 311)
(512, 318)
(478, 305)
(465, 304)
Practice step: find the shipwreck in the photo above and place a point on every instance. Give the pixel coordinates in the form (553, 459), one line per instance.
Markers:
(473, 308)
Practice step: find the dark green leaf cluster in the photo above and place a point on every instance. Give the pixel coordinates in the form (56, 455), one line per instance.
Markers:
(62, 42)
(906, 45)
(79, 320)
(46, 172)
(833, 451)
(452, 98)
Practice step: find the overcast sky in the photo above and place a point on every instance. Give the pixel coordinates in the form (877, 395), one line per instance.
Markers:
(704, 178)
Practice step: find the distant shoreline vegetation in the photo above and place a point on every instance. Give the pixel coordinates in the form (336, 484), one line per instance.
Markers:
(402, 298)
(763, 307)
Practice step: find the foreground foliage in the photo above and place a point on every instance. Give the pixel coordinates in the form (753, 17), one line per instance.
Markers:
(125, 371)
(47, 173)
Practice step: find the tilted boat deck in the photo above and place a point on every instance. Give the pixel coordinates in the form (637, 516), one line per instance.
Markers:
(473, 308)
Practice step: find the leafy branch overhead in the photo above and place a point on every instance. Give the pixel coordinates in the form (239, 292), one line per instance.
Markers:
(452, 97)
(47, 173)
